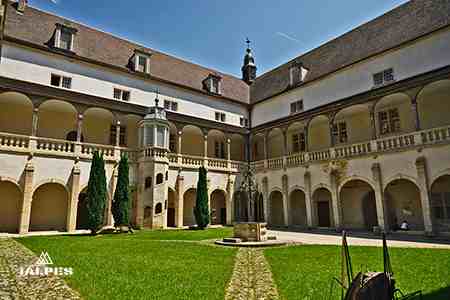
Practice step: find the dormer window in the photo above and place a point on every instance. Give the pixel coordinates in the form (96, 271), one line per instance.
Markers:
(141, 62)
(212, 84)
(297, 74)
(64, 37)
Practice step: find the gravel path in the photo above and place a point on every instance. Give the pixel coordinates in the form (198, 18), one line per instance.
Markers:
(252, 278)
(14, 286)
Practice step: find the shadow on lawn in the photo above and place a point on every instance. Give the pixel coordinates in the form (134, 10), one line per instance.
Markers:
(395, 236)
(441, 294)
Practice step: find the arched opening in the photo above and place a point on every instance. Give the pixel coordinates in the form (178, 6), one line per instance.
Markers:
(188, 207)
(319, 133)
(359, 210)
(158, 208)
(352, 125)
(99, 127)
(56, 119)
(322, 208)
(82, 212)
(49, 208)
(129, 131)
(16, 115)
(440, 203)
(237, 147)
(240, 206)
(217, 144)
(171, 201)
(393, 115)
(297, 209)
(433, 103)
(258, 147)
(218, 208)
(275, 143)
(276, 209)
(192, 141)
(404, 204)
(10, 201)
(159, 178)
(296, 138)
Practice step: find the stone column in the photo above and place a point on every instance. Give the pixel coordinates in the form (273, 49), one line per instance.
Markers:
(266, 145)
(34, 126)
(139, 215)
(421, 165)
(117, 133)
(379, 197)
(229, 202)
(285, 141)
(179, 206)
(180, 158)
(305, 132)
(335, 201)
(73, 205)
(113, 183)
(265, 192)
(373, 126)
(286, 200)
(308, 201)
(79, 127)
(25, 211)
(205, 150)
(416, 116)
(228, 148)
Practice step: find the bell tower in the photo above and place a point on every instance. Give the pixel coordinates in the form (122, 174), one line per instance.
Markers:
(249, 67)
(154, 167)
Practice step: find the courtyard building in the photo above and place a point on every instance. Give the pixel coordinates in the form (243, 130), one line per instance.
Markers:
(354, 134)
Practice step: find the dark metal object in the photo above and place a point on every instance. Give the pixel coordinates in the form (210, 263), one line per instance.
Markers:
(369, 285)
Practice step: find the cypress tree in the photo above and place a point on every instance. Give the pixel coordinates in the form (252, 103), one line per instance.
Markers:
(121, 204)
(201, 210)
(96, 194)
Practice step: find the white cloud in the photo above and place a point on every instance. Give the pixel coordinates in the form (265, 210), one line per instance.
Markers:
(286, 36)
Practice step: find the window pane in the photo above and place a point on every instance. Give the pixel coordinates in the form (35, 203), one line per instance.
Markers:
(67, 82)
(174, 106)
(117, 94)
(222, 117)
(65, 41)
(293, 108)
(160, 136)
(378, 78)
(142, 64)
(388, 75)
(55, 80)
(166, 104)
(125, 95)
(217, 116)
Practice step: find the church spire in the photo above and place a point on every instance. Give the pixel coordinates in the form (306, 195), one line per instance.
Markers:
(249, 67)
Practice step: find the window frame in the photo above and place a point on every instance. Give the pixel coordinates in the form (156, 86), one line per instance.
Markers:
(121, 93)
(61, 80)
(389, 121)
(69, 32)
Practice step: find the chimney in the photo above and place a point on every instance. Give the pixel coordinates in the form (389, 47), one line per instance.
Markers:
(21, 5)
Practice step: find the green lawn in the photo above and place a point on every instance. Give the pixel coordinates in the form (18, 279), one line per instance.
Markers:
(142, 266)
(306, 272)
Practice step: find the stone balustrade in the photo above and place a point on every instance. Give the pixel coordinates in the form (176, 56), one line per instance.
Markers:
(393, 143)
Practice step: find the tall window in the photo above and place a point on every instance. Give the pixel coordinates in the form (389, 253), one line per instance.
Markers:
(389, 121)
(219, 149)
(65, 40)
(340, 132)
(296, 106)
(122, 137)
(298, 142)
(383, 77)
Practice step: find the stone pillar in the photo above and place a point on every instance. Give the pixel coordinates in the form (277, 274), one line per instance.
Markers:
(421, 165)
(286, 200)
(79, 127)
(179, 206)
(308, 201)
(34, 123)
(373, 126)
(332, 141)
(379, 197)
(25, 211)
(285, 141)
(205, 150)
(335, 201)
(305, 132)
(266, 145)
(416, 116)
(113, 183)
(228, 149)
(139, 209)
(118, 134)
(265, 192)
(229, 202)
(179, 134)
(73, 205)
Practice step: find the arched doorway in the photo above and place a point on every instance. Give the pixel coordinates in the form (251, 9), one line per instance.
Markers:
(49, 208)
(188, 207)
(240, 206)
(297, 210)
(82, 212)
(276, 209)
(404, 204)
(10, 201)
(171, 208)
(358, 204)
(218, 208)
(440, 203)
(322, 208)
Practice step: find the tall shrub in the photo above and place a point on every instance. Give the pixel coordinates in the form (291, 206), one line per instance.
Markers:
(201, 210)
(96, 194)
(121, 204)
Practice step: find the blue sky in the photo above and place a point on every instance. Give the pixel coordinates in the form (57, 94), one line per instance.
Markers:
(212, 32)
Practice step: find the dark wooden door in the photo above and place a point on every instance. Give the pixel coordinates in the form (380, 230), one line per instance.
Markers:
(171, 217)
(323, 211)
